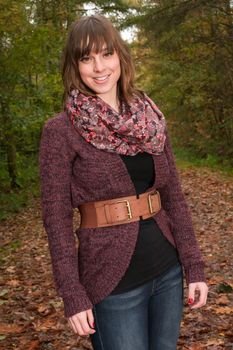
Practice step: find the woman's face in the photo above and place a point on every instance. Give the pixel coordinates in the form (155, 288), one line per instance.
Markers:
(101, 72)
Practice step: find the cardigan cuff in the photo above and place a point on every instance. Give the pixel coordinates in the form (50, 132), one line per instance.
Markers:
(195, 273)
(75, 303)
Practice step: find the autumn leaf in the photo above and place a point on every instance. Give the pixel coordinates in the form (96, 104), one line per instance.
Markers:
(10, 328)
(32, 313)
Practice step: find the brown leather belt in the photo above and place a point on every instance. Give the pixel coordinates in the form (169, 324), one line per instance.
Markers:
(119, 211)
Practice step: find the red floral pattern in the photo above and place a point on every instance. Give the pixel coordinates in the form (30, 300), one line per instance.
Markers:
(138, 128)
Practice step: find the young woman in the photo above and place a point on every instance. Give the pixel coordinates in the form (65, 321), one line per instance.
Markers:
(109, 155)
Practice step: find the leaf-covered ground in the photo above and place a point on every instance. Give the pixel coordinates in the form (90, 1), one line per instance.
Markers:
(32, 316)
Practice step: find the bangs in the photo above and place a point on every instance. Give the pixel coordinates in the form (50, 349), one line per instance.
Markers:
(94, 37)
(95, 33)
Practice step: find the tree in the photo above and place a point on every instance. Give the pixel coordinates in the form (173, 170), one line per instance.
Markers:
(189, 50)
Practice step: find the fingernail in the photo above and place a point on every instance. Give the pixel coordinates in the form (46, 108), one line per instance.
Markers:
(190, 301)
(93, 324)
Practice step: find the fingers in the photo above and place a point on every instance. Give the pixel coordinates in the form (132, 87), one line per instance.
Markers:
(90, 318)
(202, 288)
(79, 323)
(191, 293)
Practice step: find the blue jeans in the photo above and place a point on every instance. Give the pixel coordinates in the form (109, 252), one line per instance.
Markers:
(145, 318)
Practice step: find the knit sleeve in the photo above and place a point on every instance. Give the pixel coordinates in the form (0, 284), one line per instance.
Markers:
(55, 164)
(174, 203)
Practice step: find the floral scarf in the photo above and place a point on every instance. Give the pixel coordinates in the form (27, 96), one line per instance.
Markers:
(139, 127)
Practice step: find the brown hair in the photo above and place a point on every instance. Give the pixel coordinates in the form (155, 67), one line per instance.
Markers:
(91, 33)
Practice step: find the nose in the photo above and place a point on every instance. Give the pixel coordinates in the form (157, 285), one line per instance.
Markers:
(98, 64)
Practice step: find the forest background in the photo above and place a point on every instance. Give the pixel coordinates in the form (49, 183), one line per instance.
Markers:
(183, 52)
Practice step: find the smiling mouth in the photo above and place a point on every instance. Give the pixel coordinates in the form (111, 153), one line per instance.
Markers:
(101, 79)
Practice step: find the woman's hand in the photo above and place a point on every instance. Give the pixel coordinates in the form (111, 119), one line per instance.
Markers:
(82, 322)
(202, 288)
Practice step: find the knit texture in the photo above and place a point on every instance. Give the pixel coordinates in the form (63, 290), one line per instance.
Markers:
(72, 172)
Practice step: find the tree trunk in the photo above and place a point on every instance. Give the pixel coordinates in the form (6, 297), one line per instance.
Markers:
(9, 144)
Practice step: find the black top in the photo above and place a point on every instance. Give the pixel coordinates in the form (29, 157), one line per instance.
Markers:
(153, 254)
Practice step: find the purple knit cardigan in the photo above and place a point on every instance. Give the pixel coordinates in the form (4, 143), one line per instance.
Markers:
(73, 172)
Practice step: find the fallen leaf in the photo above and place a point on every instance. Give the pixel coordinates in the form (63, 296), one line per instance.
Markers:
(47, 324)
(214, 342)
(34, 345)
(3, 292)
(13, 283)
(224, 310)
(10, 328)
(222, 300)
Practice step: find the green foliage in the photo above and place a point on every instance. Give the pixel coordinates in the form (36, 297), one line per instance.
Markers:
(187, 60)
(224, 288)
(13, 201)
(32, 35)
(186, 158)
(183, 57)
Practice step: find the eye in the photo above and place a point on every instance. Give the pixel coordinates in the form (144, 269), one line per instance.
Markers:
(108, 53)
(84, 59)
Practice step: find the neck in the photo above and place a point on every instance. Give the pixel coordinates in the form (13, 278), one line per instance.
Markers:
(111, 99)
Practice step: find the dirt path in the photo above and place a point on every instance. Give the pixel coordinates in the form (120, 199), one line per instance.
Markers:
(31, 315)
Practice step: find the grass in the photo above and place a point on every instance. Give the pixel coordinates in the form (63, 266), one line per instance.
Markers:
(185, 159)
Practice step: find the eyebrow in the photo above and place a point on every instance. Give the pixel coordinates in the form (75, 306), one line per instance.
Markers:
(104, 49)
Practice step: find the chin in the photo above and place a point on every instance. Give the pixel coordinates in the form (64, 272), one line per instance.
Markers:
(102, 90)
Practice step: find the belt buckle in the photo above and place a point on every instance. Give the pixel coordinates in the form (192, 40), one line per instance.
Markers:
(150, 203)
(128, 208)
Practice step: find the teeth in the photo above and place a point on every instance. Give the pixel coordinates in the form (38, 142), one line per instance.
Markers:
(101, 78)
